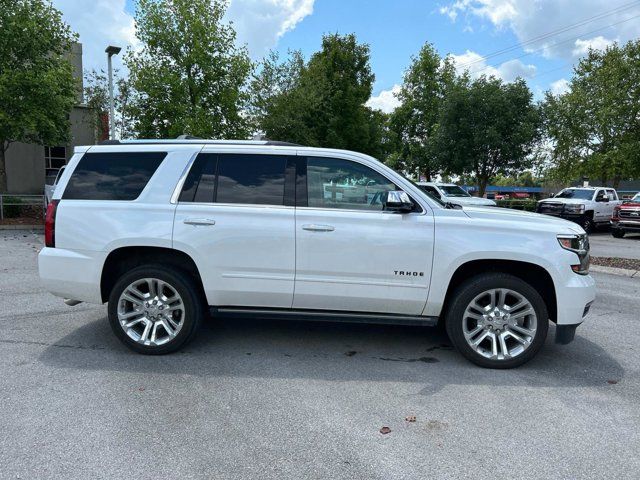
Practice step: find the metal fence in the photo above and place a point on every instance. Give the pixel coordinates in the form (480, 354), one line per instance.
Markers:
(12, 205)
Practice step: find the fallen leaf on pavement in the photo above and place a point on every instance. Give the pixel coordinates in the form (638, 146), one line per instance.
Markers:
(385, 430)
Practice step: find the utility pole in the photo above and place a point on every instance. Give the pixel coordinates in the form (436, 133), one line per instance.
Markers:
(111, 51)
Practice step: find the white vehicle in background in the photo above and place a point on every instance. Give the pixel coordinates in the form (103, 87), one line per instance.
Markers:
(587, 206)
(52, 176)
(452, 193)
(167, 231)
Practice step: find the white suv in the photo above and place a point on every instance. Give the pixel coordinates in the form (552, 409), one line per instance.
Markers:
(452, 193)
(166, 230)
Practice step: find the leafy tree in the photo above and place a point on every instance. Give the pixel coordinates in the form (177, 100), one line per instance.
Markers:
(96, 95)
(595, 126)
(320, 102)
(487, 127)
(37, 88)
(189, 76)
(415, 122)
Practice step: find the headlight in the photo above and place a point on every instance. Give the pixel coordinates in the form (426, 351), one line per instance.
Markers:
(574, 208)
(578, 244)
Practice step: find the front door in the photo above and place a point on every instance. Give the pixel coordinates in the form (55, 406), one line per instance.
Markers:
(232, 218)
(351, 255)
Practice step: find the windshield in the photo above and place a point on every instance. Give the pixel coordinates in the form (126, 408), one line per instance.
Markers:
(636, 198)
(582, 194)
(453, 191)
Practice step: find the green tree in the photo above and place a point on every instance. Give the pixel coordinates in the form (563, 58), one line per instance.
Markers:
(96, 96)
(189, 77)
(37, 88)
(595, 126)
(487, 127)
(320, 102)
(415, 122)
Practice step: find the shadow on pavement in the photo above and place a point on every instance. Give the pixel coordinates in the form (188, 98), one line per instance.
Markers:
(334, 352)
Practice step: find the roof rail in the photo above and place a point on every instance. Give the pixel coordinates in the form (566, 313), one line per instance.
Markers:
(183, 139)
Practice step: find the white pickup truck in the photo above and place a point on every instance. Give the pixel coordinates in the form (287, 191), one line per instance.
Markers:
(167, 231)
(587, 206)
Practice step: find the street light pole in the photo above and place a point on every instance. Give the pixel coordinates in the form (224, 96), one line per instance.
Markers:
(110, 51)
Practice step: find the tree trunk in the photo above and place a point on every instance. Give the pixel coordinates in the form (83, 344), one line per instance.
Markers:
(3, 167)
(616, 181)
(482, 185)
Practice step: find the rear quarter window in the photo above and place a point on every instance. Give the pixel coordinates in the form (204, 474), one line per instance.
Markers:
(112, 176)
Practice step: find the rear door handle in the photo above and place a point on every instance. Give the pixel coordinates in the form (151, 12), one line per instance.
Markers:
(199, 221)
(318, 228)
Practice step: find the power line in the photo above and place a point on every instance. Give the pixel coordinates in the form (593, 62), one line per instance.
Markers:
(555, 44)
(555, 32)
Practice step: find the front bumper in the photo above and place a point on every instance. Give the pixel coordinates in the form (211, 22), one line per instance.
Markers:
(626, 225)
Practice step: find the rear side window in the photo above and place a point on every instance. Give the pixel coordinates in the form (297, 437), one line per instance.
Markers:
(236, 178)
(112, 176)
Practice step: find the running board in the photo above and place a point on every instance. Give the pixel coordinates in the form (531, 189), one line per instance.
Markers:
(324, 316)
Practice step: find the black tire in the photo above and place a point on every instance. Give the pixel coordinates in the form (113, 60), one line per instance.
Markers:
(617, 233)
(587, 223)
(473, 287)
(189, 291)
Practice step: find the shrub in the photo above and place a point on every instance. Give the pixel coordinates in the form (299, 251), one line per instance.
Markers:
(13, 210)
(527, 205)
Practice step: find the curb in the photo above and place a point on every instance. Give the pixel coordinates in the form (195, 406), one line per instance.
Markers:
(623, 272)
(39, 228)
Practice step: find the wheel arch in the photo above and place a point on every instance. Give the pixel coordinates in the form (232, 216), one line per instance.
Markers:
(535, 275)
(123, 259)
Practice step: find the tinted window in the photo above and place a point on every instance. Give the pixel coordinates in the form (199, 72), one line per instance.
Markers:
(583, 194)
(200, 183)
(112, 176)
(251, 179)
(336, 183)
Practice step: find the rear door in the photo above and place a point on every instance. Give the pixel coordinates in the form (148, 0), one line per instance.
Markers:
(235, 217)
(351, 255)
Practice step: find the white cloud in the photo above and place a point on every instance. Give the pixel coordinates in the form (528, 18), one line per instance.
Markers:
(260, 23)
(530, 19)
(596, 43)
(386, 100)
(477, 66)
(99, 23)
(559, 87)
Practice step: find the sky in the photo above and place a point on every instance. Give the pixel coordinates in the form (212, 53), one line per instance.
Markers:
(538, 40)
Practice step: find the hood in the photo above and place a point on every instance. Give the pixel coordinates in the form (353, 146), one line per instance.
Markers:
(630, 204)
(471, 201)
(523, 220)
(565, 201)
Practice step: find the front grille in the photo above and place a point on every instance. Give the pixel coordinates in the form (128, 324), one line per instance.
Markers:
(550, 208)
(630, 213)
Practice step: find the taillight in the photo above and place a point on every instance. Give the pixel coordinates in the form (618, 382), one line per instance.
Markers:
(50, 224)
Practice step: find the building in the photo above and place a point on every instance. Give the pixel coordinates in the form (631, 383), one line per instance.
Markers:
(27, 164)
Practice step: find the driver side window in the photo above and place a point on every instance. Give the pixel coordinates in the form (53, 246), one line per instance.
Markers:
(337, 183)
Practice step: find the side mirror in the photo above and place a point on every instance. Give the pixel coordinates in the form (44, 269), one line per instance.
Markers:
(398, 201)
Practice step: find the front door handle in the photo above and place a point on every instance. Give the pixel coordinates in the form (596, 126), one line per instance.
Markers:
(199, 221)
(318, 228)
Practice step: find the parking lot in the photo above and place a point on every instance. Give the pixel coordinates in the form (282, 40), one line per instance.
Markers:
(266, 399)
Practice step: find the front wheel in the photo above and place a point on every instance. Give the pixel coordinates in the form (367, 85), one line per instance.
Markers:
(587, 224)
(497, 320)
(155, 309)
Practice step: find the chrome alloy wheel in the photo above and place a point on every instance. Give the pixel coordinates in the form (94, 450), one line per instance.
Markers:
(151, 312)
(499, 324)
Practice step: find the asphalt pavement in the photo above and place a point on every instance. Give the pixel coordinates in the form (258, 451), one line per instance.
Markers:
(604, 245)
(267, 399)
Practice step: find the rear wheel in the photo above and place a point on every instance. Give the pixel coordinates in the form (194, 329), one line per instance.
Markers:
(497, 320)
(155, 309)
(617, 233)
